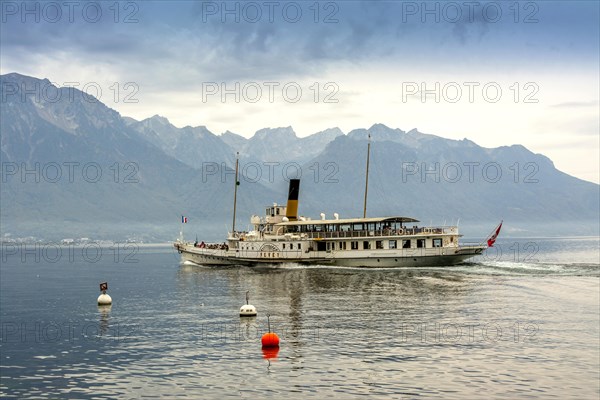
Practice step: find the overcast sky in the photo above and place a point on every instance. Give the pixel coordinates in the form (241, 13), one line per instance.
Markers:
(498, 73)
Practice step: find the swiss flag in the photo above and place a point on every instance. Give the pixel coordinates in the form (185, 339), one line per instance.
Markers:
(492, 239)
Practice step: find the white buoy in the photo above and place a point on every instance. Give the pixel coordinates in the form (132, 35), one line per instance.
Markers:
(104, 299)
(248, 310)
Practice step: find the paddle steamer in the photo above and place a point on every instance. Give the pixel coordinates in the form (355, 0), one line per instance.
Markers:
(280, 236)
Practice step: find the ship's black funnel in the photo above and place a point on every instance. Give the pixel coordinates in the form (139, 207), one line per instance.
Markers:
(292, 202)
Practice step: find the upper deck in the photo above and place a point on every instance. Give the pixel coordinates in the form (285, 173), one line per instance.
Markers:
(356, 228)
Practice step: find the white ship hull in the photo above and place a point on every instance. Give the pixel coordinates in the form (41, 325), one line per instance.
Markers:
(369, 259)
(281, 237)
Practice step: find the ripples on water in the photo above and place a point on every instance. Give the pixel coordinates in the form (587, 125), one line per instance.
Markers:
(509, 326)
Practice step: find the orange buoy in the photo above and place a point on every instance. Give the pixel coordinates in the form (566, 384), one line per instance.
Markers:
(270, 339)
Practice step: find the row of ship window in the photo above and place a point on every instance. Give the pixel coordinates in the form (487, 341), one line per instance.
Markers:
(379, 244)
(367, 245)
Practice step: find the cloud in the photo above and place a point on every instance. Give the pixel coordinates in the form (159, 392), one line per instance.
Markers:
(368, 47)
(183, 41)
(577, 104)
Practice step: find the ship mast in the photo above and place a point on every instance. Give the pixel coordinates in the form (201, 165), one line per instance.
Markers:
(367, 177)
(236, 184)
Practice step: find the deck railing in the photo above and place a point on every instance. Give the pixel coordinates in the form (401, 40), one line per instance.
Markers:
(379, 233)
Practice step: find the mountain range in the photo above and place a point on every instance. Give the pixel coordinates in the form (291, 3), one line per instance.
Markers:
(73, 167)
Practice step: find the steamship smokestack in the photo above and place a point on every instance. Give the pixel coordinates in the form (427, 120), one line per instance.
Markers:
(292, 202)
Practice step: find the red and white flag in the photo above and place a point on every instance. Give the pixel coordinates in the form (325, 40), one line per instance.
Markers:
(492, 238)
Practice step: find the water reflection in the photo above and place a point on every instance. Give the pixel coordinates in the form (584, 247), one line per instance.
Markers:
(270, 353)
(313, 305)
(293, 283)
(104, 319)
(248, 328)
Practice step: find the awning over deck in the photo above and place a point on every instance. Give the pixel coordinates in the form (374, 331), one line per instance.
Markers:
(348, 221)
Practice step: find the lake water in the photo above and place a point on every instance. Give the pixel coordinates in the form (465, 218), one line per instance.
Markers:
(521, 321)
